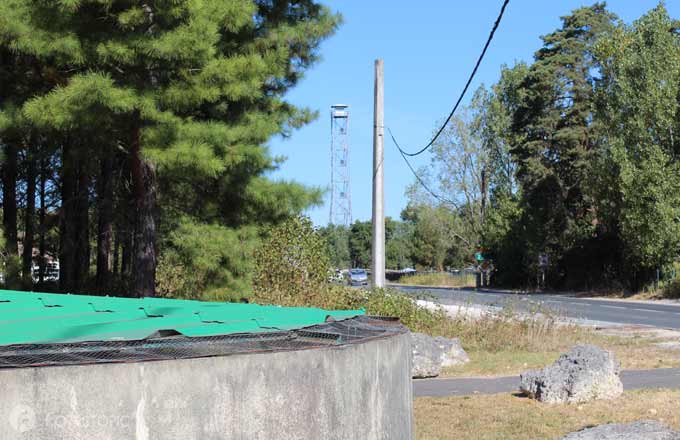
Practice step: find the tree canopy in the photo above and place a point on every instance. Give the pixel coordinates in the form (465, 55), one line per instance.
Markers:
(573, 157)
(149, 123)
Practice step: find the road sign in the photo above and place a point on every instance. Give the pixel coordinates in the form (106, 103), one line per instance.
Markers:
(543, 260)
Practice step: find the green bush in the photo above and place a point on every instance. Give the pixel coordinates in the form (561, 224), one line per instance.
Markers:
(672, 289)
(291, 265)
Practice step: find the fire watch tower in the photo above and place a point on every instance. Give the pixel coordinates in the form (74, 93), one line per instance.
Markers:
(341, 200)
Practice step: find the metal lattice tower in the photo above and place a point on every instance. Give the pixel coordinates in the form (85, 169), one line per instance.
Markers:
(341, 200)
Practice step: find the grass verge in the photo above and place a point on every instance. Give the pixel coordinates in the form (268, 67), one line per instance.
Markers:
(513, 417)
(439, 280)
(634, 354)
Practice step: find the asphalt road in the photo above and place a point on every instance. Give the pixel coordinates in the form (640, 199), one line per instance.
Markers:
(608, 311)
(440, 387)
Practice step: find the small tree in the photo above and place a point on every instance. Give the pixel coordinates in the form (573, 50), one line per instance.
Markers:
(292, 265)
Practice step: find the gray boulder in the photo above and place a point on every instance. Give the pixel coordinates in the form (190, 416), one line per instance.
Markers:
(431, 354)
(642, 430)
(585, 373)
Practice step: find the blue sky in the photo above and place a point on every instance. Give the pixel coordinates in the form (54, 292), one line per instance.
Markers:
(429, 48)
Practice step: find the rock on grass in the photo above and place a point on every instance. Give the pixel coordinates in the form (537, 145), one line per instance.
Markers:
(431, 354)
(585, 373)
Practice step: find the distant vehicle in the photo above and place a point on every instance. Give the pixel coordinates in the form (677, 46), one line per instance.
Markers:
(408, 270)
(358, 277)
(336, 276)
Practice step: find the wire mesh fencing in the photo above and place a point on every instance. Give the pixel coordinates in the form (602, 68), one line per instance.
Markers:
(173, 346)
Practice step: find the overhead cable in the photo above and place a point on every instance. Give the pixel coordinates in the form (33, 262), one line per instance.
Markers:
(467, 85)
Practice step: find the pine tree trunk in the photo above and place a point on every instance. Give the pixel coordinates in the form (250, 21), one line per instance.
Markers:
(9, 198)
(43, 214)
(105, 223)
(67, 225)
(116, 251)
(29, 219)
(82, 233)
(144, 193)
(126, 251)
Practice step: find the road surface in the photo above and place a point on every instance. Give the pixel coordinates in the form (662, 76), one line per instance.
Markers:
(660, 315)
(441, 387)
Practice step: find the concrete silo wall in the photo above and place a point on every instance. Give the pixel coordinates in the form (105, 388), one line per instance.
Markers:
(354, 391)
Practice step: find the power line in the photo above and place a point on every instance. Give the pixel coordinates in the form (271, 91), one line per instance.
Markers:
(427, 188)
(420, 180)
(467, 85)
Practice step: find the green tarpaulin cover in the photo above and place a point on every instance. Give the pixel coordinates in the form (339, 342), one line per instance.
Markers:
(34, 318)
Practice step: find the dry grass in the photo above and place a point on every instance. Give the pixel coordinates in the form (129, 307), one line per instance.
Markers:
(537, 330)
(636, 353)
(439, 280)
(509, 342)
(668, 291)
(644, 357)
(505, 416)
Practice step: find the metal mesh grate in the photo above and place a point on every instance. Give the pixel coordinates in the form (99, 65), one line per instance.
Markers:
(348, 331)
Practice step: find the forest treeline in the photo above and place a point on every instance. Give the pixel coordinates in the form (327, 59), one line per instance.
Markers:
(575, 156)
(134, 135)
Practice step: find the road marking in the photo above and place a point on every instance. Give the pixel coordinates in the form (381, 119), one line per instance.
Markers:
(650, 310)
(614, 307)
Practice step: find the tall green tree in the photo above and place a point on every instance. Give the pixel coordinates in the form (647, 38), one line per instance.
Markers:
(502, 235)
(557, 140)
(337, 239)
(435, 242)
(398, 244)
(179, 97)
(640, 169)
(360, 235)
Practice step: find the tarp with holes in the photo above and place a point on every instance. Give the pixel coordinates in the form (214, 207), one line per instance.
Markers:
(34, 318)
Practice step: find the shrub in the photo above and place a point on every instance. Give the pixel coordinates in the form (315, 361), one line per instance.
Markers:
(672, 289)
(291, 265)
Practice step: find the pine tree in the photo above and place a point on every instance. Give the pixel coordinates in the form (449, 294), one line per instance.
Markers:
(557, 138)
(183, 94)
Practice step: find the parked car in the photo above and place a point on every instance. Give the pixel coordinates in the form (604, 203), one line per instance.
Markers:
(358, 277)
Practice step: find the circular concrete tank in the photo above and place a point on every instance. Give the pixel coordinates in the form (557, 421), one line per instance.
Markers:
(341, 380)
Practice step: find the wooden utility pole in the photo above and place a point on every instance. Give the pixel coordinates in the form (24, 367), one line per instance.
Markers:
(378, 248)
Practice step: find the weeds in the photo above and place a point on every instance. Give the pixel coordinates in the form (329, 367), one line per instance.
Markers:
(440, 279)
